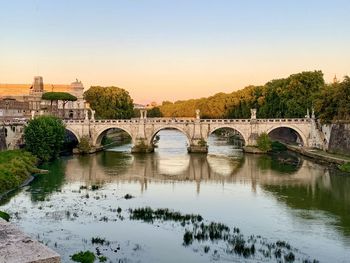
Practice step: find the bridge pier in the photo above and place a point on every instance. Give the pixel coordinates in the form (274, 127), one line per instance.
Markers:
(198, 146)
(141, 146)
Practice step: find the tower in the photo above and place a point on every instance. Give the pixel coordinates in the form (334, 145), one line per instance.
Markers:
(77, 89)
(38, 86)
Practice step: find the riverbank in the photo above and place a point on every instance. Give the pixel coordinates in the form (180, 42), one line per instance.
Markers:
(320, 156)
(16, 168)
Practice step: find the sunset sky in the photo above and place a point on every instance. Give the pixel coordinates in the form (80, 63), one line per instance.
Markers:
(172, 49)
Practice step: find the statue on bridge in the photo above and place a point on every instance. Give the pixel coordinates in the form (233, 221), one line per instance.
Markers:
(253, 114)
(197, 114)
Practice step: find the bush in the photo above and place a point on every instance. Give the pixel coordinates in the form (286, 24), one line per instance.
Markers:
(264, 142)
(15, 167)
(84, 145)
(44, 137)
(345, 167)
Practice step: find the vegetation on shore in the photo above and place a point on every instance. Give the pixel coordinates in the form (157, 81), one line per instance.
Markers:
(15, 167)
(84, 145)
(5, 216)
(264, 142)
(345, 167)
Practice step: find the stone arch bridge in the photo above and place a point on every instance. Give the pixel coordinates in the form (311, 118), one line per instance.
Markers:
(143, 130)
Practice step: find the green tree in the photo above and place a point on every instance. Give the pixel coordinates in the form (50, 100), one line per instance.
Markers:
(44, 137)
(58, 96)
(332, 103)
(154, 112)
(110, 102)
(264, 142)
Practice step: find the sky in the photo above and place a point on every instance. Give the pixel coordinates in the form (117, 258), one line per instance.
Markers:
(172, 49)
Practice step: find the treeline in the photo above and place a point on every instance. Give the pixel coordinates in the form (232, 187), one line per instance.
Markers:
(279, 98)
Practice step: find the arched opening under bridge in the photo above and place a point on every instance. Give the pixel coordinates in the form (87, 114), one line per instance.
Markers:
(226, 141)
(170, 140)
(115, 139)
(71, 141)
(287, 135)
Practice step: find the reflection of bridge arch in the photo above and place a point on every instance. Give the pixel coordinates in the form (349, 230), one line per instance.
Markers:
(100, 133)
(231, 128)
(299, 133)
(158, 129)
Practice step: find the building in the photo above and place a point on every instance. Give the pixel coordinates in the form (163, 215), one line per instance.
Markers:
(25, 100)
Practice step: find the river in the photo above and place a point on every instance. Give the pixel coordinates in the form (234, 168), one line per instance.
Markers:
(300, 202)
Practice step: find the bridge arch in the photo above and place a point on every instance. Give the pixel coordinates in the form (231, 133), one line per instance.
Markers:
(297, 131)
(158, 129)
(74, 133)
(245, 139)
(100, 133)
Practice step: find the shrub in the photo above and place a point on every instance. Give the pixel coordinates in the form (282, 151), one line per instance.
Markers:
(345, 167)
(264, 142)
(84, 145)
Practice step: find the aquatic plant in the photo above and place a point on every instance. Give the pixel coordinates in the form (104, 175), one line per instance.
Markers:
(147, 214)
(94, 187)
(84, 257)
(102, 259)
(128, 196)
(98, 240)
(188, 238)
(196, 229)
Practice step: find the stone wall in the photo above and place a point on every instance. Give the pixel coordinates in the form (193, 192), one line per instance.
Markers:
(3, 145)
(339, 140)
(15, 247)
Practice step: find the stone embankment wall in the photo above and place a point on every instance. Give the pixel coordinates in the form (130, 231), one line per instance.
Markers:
(3, 145)
(339, 138)
(15, 247)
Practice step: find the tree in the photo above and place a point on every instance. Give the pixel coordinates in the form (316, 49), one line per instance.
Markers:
(65, 97)
(110, 102)
(332, 103)
(154, 112)
(44, 137)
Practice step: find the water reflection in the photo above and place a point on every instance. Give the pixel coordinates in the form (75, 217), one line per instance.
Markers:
(303, 186)
(119, 167)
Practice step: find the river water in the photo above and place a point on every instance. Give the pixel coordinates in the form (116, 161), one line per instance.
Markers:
(297, 201)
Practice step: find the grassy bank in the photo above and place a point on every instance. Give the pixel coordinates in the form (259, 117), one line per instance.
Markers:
(15, 167)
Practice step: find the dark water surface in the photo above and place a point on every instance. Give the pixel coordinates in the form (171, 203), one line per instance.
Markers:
(303, 203)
